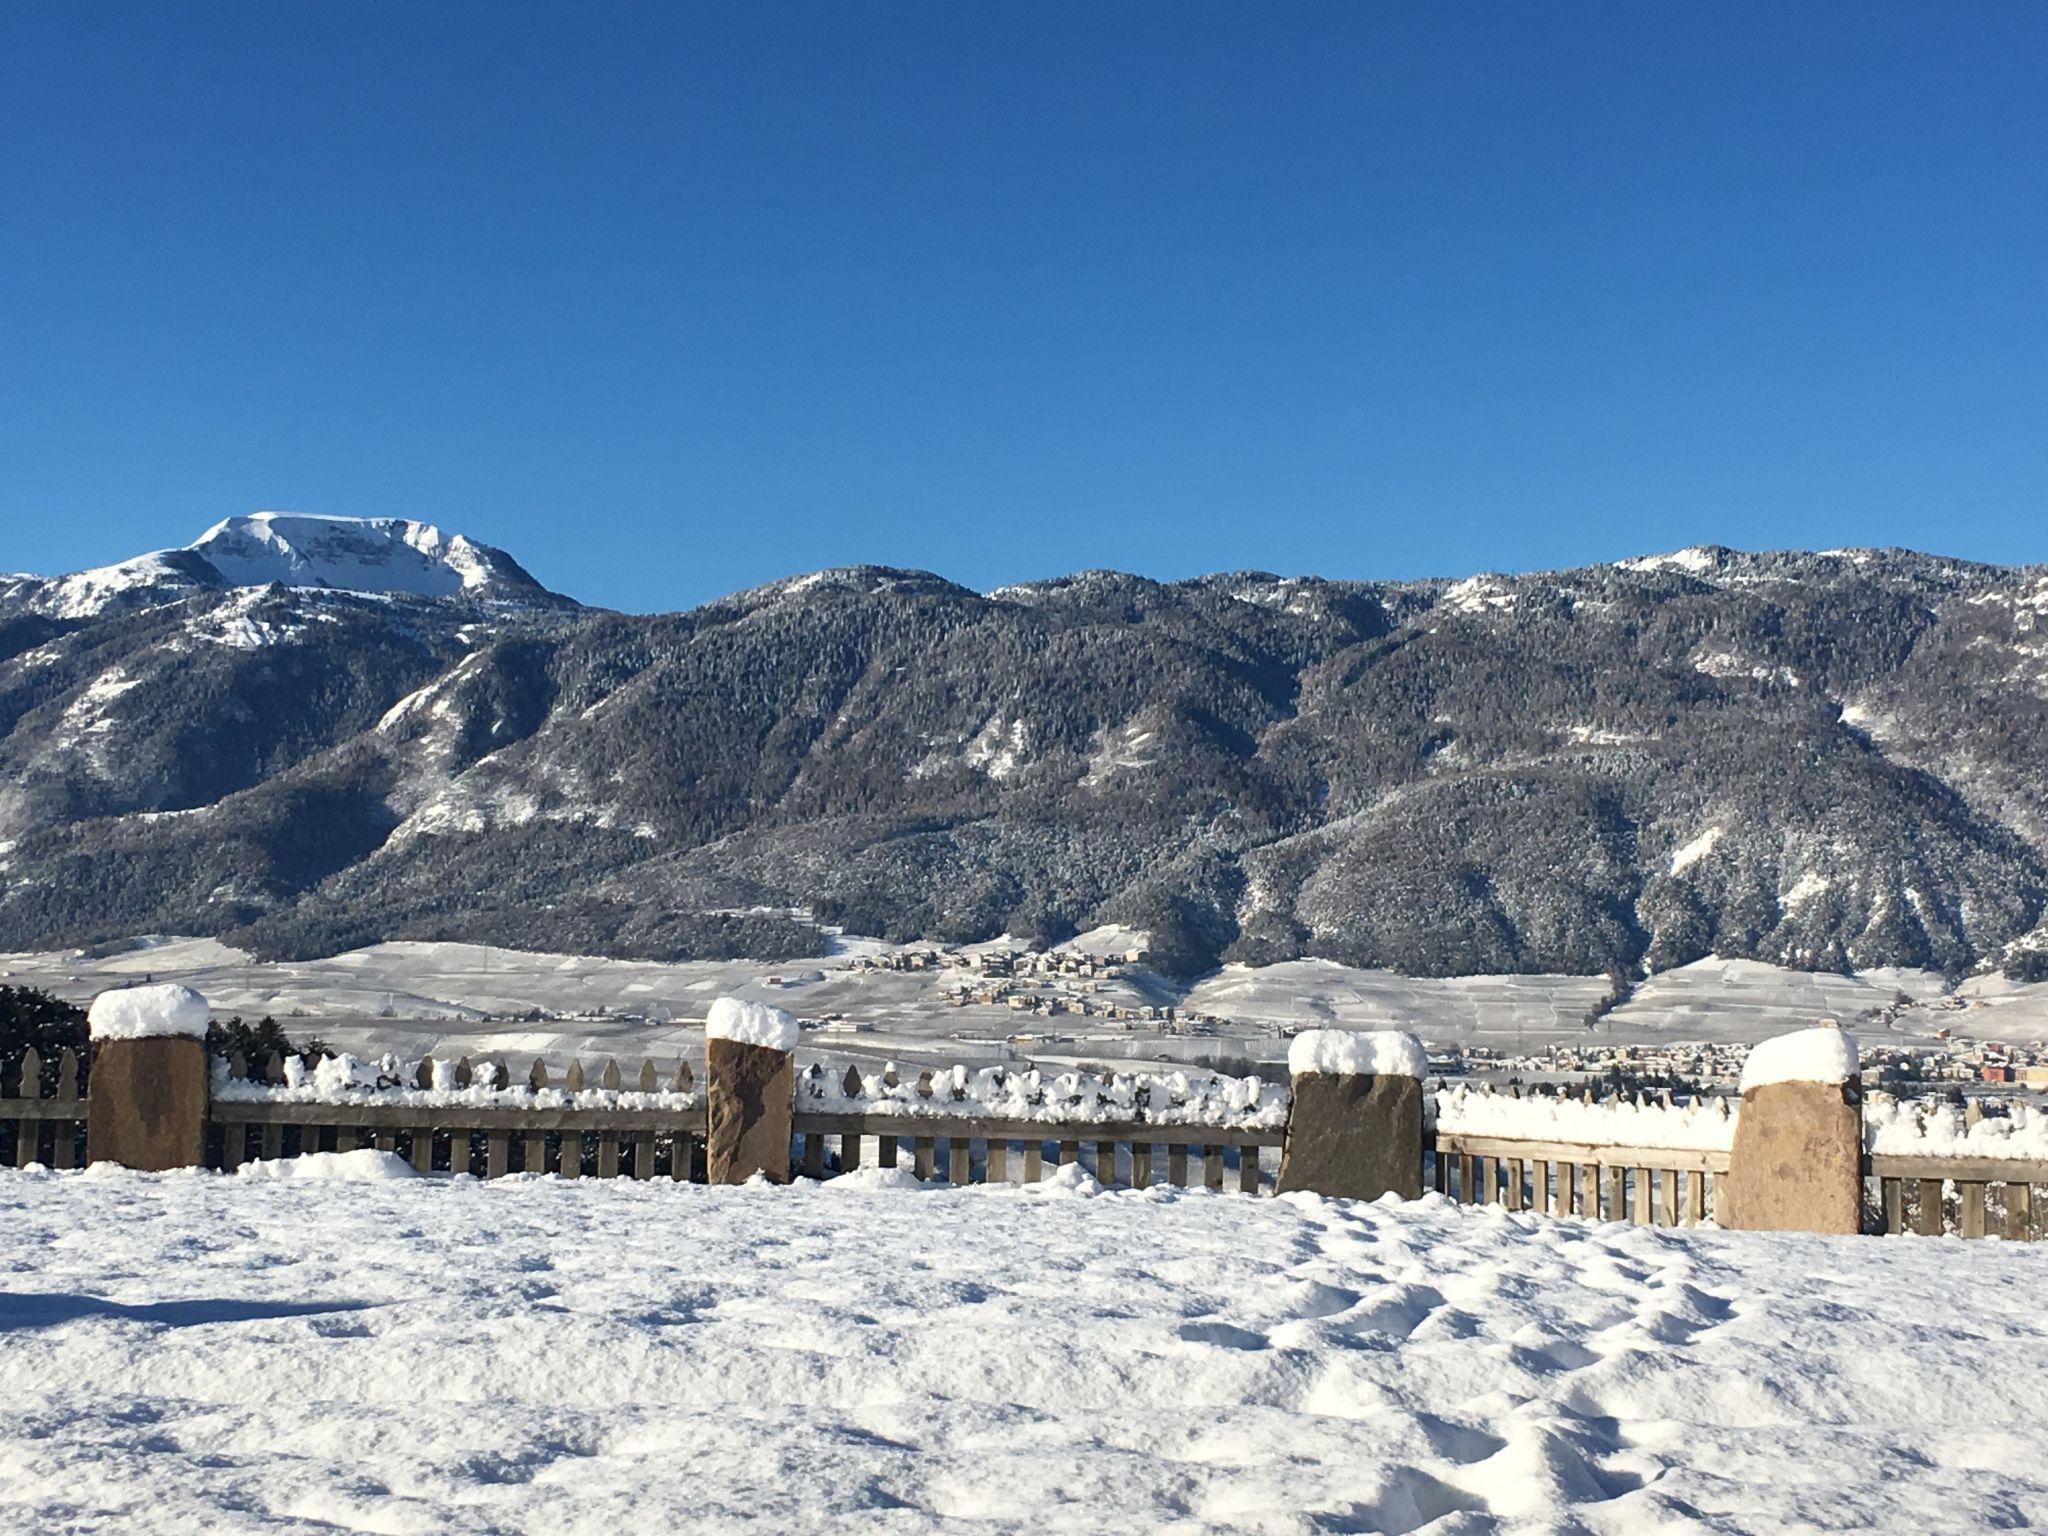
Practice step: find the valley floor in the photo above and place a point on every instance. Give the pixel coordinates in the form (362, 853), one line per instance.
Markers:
(369, 1352)
(450, 999)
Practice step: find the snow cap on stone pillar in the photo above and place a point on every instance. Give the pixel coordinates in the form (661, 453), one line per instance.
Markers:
(1823, 1054)
(748, 1023)
(1357, 1053)
(149, 1013)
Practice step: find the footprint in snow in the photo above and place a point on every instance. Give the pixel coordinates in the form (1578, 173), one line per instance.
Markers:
(1222, 1335)
(1312, 1298)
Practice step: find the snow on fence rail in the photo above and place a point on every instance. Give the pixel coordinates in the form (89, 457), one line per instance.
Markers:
(1926, 1167)
(1114, 1127)
(465, 1119)
(1648, 1161)
(1941, 1168)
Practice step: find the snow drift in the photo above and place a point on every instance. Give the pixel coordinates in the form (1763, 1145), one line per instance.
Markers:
(192, 1353)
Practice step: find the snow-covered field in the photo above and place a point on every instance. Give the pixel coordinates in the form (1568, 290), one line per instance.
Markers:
(409, 998)
(205, 1353)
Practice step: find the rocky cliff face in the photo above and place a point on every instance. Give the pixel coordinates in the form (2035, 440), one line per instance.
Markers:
(1814, 759)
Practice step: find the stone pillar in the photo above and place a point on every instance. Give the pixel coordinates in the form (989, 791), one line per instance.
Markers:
(1355, 1128)
(749, 1080)
(1797, 1165)
(146, 1100)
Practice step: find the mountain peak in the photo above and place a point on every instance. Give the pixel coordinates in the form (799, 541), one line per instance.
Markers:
(358, 554)
(382, 556)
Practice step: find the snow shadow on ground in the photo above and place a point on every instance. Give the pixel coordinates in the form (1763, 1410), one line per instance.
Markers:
(22, 1311)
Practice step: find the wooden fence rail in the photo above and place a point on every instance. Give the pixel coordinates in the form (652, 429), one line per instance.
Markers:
(1990, 1196)
(1651, 1186)
(993, 1151)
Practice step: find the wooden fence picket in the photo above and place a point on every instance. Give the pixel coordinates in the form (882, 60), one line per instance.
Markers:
(28, 1134)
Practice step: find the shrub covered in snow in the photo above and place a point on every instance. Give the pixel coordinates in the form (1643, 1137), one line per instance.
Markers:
(35, 1020)
(1935, 1128)
(1172, 1098)
(345, 1079)
(262, 1041)
(1704, 1125)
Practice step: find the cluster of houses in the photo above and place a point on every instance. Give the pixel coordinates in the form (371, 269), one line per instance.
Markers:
(1041, 983)
(1889, 1067)
(1164, 1016)
(1677, 1061)
(1005, 964)
(1993, 1061)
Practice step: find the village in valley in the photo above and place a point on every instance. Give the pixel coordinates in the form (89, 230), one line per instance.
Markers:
(1098, 1001)
(1091, 989)
(1041, 983)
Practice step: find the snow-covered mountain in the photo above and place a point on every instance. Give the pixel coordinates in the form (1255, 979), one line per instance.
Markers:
(380, 556)
(1818, 760)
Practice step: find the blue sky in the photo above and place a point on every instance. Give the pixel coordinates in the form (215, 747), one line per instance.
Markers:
(671, 299)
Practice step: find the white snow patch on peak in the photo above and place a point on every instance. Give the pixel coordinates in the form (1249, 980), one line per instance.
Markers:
(1477, 594)
(1823, 1054)
(377, 556)
(1684, 858)
(1695, 560)
(734, 1018)
(86, 593)
(374, 554)
(143, 1013)
(1357, 1053)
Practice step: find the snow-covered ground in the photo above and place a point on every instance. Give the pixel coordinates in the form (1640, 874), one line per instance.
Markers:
(466, 998)
(206, 1353)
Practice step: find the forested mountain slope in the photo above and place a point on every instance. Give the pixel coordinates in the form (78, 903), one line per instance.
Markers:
(1815, 759)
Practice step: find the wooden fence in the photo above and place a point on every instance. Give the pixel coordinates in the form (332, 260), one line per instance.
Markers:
(946, 1135)
(970, 1150)
(611, 1136)
(45, 1119)
(1931, 1169)
(1963, 1196)
(463, 1118)
(1651, 1186)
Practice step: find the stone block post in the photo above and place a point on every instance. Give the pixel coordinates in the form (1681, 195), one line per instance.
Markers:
(749, 1080)
(1355, 1130)
(1797, 1165)
(147, 1099)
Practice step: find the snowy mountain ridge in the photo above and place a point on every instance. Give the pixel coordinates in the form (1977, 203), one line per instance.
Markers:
(1815, 760)
(376, 556)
